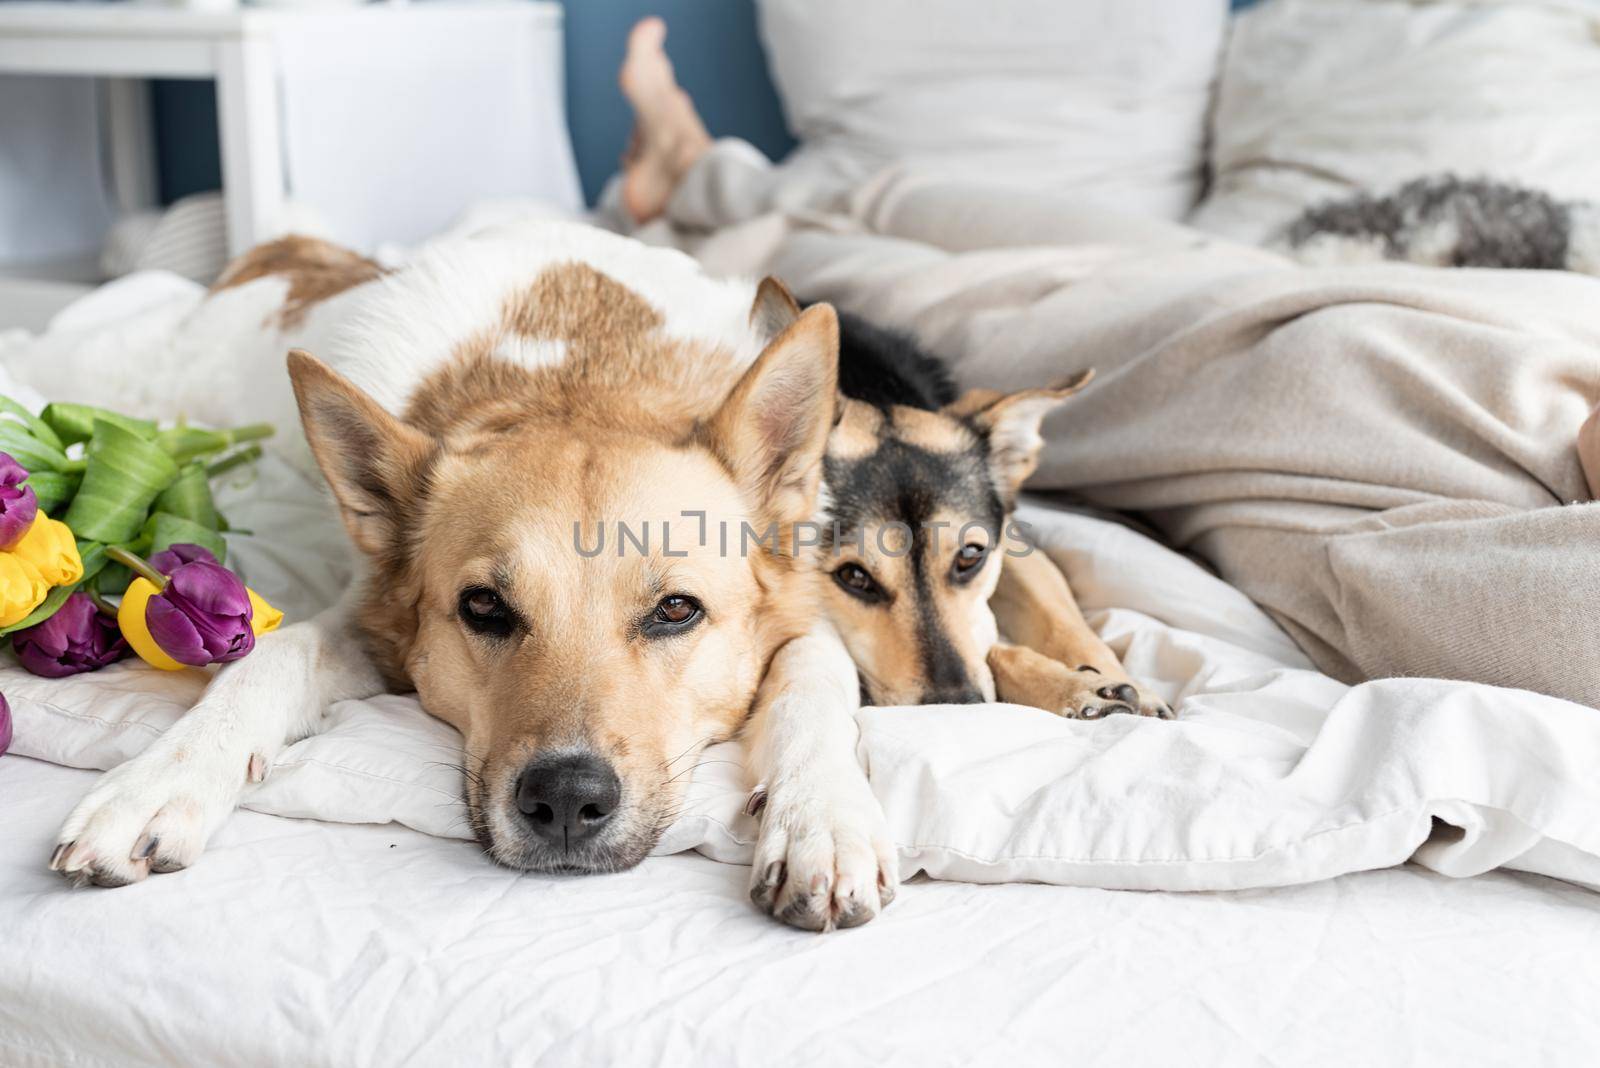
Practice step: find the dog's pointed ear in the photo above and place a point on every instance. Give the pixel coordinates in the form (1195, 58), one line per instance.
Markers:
(774, 309)
(376, 465)
(774, 426)
(971, 403)
(1010, 423)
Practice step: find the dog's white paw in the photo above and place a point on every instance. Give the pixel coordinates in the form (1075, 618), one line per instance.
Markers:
(153, 813)
(824, 858)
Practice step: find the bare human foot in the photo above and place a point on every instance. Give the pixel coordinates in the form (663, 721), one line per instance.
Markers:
(668, 136)
(1589, 452)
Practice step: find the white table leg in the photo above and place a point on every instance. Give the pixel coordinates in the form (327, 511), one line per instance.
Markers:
(252, 159)
(131, 143)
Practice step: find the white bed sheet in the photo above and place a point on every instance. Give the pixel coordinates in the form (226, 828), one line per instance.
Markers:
(304, 943)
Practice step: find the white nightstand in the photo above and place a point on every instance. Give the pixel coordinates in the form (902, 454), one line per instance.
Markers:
(384, 120)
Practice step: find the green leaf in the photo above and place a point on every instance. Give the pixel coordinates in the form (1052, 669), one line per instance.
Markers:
(238, 458)
(113, 579)
(164, 531)
(125, 475)
(190, 498)
(75, 422)
(93, 555)
(36, 426)
(53, 488)
(94, 562)
(30, 452)
(184, 443)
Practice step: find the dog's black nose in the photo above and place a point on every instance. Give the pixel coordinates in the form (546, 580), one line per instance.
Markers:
(957, 695)
(567, 799)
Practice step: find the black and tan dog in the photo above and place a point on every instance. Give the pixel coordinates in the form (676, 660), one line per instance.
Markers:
(928, 568)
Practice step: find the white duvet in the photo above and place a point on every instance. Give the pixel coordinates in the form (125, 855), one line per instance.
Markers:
(1273, 774)
(302, 944)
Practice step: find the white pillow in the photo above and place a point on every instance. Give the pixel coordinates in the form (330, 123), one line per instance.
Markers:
(1322, 98)
(1101, 98)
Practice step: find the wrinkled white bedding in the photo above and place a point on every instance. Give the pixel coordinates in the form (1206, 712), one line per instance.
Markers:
(318, 944)
(305, 944)
(1274, 774)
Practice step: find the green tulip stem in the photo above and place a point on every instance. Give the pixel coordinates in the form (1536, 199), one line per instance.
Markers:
(105, 606)
(249, 432)
(138, 565)
(234, 459)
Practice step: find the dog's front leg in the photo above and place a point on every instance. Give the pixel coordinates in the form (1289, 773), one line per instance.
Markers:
(156, 811)
(824, 858)
(1058, 662)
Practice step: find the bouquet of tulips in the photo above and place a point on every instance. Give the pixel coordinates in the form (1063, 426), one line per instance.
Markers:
(110, 542)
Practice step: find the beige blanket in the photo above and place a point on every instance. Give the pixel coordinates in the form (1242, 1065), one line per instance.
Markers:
(1382, 457)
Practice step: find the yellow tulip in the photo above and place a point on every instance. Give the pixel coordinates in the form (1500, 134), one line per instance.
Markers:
(130, 620)
(264, 618)
(22, 588)
(50, 547)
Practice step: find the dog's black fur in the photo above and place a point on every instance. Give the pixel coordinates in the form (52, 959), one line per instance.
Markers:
(883, 367)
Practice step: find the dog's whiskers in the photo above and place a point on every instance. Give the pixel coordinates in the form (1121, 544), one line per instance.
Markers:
(693, 747)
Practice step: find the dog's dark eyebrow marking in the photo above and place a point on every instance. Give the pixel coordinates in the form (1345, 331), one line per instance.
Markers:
(899, 482)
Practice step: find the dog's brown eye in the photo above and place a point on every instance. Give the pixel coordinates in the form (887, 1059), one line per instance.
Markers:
(968, 560)
(673, 615)
(484, 611)
(675, 610)
(856, 581)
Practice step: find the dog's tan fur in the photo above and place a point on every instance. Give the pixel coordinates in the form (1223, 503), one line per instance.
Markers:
(315, 270)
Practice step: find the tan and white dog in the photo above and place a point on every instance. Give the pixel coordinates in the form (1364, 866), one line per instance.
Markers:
(479, 414)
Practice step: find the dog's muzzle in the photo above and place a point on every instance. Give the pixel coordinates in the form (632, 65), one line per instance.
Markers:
(567, 800)
(567, 811)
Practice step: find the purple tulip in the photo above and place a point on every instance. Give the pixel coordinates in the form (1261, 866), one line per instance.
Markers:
(79, 637)
(5, 724)
(203, 616)
(18, 505)
(173, 557)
